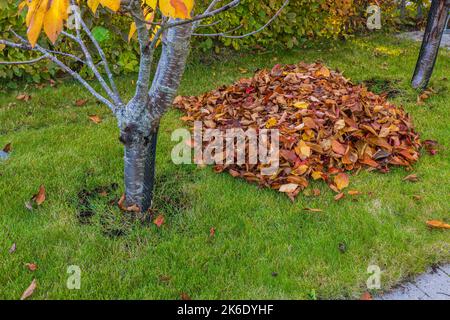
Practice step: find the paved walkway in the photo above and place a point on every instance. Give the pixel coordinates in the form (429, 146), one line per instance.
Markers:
(418, 36)
(433, 285)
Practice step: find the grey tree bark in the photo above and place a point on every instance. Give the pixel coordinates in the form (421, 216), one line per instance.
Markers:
(431, 42)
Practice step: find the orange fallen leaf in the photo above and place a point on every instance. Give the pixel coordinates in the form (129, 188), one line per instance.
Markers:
(212, 232)
(29, 291)
(354, 192)
(438, 224)
(96, 119)
(159, 220)
(132, 208)
(39, 198)
(341, 181)
(411, 178)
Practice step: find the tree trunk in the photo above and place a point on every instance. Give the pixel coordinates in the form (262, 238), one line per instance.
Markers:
(403, 9)
(140, 155)
(431, 42)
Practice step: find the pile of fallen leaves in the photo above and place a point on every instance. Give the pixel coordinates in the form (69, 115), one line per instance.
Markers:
(327, 125)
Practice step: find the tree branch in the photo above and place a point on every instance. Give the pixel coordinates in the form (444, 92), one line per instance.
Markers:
(64, 67)
(23, 62)
(225, 34)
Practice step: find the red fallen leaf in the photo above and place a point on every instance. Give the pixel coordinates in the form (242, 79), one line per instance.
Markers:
(81, 102)
(411, 178)
(31, 266)
(366, 296)
(438, 224)
(341, 181)
(313, 209)
(96, 119)
(13, 248)
(185, 296)
(339, 196)
(316, 192)
(7, 148)
(159, 220)
(29, 291)
(212, 232)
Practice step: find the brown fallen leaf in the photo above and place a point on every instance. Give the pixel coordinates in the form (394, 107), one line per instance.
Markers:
(95, 119)
(366, 296)
(438, 224)
(185, 296)
(339, 196)
(212, 232)
(81, 102)
(341, 180)
(39, 198)
(411, 178)
(312, 209)
(159, 221)
(13, 248)
(123, 207)
(29, 291)
(7, 148)
(23, 97)
(164, 278)
(31, 266)
(417, 197)
(288, 187)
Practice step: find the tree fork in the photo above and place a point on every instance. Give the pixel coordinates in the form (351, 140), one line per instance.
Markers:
(431, 43)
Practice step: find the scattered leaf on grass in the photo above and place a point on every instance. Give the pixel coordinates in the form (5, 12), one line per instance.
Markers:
(212, 232)
(132, 208)
(354, 192)
(366, 296)
(81, 102)
(185, 296)
(95, 119)
(13, 248)
(339, 196)
(341, 181)
(164, 278)
(23, 97)
(159, 221)
(29, 291)
(312, 209)
(417, 197)
(7, 148)
(438, 224)
(31, 266)
(411, 178)
(37, 199)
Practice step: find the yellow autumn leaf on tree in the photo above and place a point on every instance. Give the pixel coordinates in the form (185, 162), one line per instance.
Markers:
(149, 18)
(113, 5)
(151, 3)
(35, 19)
(93, 5)
(54, 18)
(180, 9)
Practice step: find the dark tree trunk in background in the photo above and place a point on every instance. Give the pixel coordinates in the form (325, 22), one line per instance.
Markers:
(139, 167)
(403, 9)
(431, 42)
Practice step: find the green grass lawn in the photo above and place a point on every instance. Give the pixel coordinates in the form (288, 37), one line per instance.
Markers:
(264, 245)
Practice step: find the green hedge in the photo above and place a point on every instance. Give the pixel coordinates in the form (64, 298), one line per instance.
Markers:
(299, 22)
